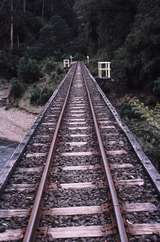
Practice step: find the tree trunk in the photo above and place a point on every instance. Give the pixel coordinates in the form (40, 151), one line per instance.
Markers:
(11, 27)
(24, 6)
(52, 8)
(43, 7)
(18, 43)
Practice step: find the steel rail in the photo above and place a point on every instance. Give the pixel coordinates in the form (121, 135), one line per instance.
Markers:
(114, 197)
(143, 158)
(35, 213)
(9, 166)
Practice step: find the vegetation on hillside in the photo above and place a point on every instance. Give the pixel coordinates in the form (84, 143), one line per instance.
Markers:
(35, 82)
(145, 123)
(127, 32)
(36, 35)
(124, 31)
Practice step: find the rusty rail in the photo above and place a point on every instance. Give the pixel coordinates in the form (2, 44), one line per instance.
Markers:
(114, 197)
(144, 159)
(33, 223)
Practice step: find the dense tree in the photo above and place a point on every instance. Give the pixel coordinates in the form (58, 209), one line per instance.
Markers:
(141, 49)
(125, 31)
(54, 36)
(105, 23)
(21, 21)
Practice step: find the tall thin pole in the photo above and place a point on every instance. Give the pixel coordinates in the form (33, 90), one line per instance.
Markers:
(43, 7)
(18, 43)
(11, 29)
(24, 6)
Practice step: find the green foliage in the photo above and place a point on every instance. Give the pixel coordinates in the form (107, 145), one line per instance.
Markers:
(156, 87)
(54, 36)
(45, 95)
(145, 122)
(53, 76)
(40, 96)
(120, 64)
(48, 65)
(8, 64)
(52, 72)
(35, 95)
(140, 67)
(104, 24)
(60, 29)
(59, 71)
(127, 32)
(93, 67)
(143, 113)
(29, 21)
(28, 70)
(126, 110)
(17, 89)
(35, 23)
(139, 110)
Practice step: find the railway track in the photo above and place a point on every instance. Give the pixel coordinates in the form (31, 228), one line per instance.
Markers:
(78, 178)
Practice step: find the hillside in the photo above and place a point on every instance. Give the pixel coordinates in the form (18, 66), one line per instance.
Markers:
(35, 36)
(126, 32)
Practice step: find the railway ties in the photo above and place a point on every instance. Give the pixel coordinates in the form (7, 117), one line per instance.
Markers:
(79, 178)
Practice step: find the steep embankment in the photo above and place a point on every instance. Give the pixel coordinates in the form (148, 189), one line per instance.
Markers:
(14, 123)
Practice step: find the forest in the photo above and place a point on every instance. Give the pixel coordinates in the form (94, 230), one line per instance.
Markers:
(125, 31)
(36, 34)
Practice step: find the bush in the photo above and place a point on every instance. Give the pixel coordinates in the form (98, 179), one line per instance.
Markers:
(28, 70)
(40, 97)
(17, 89)
(35, 96)
(156, 88)
(49, 66)
(53, 76)
(45, 95)
(8, 64)
(35, 23)
(145, 122)
(59, 71)
(126, 110)
(120, 64)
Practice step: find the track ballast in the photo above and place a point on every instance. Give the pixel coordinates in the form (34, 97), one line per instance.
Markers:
(78, 178)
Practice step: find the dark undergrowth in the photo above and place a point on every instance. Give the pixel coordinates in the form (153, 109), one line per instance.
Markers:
(140, 110)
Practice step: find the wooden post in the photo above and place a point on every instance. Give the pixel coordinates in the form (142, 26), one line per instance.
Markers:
(66, 63)
(88, 59)
(104, 67)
